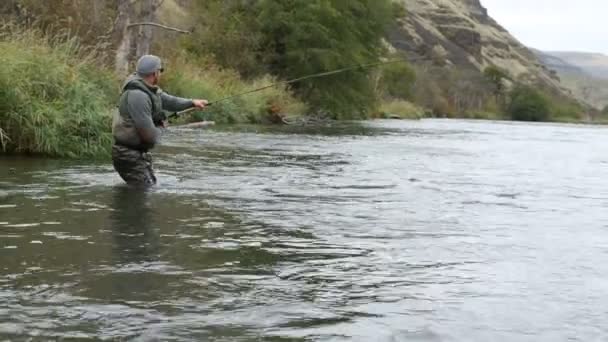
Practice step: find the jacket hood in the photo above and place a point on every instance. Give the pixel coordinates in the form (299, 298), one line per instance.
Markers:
(135, 81)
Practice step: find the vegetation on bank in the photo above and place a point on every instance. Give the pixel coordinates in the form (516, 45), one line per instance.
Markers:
(57, 99)
(269, 37)
(57, 96)
(53, 99)
(191, 79)
(527, 104)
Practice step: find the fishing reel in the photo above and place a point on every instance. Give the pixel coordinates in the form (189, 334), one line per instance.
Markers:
(159, 118)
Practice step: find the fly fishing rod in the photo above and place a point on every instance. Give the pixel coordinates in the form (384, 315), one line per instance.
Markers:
(302, 78)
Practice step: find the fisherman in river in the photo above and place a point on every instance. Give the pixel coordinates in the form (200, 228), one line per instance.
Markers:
(137, 124)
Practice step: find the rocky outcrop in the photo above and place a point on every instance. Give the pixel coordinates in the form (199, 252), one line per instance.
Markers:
(461, 33)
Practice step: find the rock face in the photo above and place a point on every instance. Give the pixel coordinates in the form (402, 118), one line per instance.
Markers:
(461, 33)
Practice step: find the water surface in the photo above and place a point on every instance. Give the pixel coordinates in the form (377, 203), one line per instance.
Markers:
(394, 231)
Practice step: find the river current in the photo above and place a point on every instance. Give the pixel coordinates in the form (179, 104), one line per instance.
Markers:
(432, 230)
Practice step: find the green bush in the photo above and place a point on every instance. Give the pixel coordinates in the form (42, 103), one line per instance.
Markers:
(566, 110)
(269, 36)
(605, 110)
(53, 99)
(528, 104)
(398, 80)
(322, 36)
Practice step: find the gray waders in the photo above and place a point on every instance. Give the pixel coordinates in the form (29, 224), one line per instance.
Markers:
(133, 166)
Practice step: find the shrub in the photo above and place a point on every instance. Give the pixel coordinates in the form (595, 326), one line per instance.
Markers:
(566, 110)
(53, 98)
(323, 36)
(528, 104)
(398, 80)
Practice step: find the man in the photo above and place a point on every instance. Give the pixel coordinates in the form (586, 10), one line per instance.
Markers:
(137, 125)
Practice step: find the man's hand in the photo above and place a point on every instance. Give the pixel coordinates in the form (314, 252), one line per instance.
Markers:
(200, 103)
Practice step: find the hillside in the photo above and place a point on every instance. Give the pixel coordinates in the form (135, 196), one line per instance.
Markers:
(558, 64)
(462, 62)
(585, 74)
(595, 64)
(461, 33)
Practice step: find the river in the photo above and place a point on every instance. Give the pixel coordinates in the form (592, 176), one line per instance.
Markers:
(432, 230)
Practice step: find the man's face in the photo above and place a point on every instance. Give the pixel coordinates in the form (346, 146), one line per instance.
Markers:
(156, 79)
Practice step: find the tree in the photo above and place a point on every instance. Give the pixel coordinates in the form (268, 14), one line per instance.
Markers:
(397, 80)
(322, 36)
(228, 31)
(605, 110)
(497, 77)
(133, 30)
(123, 29)
(89, 20)
(428, 92)
(124, 36)
(466, 89)
(148, 15)
(271, 36)
(528, 104)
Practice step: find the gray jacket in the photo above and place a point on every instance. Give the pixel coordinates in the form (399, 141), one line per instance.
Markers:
(140, 109)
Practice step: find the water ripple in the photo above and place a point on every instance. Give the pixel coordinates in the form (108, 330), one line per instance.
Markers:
(432, 230)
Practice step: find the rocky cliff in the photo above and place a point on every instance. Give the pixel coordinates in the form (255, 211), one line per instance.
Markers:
(461, 33)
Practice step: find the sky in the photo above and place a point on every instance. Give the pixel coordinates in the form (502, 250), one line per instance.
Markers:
(554, 25)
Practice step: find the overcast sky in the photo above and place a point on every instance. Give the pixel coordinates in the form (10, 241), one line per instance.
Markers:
(567, 25)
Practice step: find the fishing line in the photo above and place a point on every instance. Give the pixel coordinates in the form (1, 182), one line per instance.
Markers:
(303, 78)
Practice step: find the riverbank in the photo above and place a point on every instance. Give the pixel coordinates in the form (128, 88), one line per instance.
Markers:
(57, 99)
(53, 100)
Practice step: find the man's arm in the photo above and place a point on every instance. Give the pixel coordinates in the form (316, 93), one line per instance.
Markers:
(177, 104)
(139, 107)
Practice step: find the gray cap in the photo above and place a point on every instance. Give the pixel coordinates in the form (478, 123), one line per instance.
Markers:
(148, 64)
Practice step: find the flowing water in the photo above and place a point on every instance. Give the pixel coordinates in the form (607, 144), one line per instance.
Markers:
(391, 231)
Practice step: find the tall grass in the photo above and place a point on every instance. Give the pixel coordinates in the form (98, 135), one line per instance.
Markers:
(205, 80)
(56, 97)
(54, 100)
